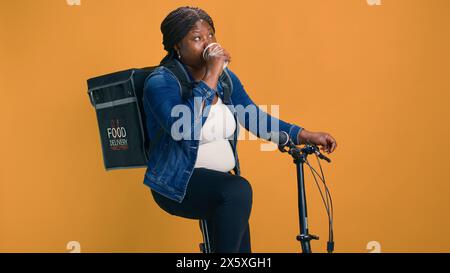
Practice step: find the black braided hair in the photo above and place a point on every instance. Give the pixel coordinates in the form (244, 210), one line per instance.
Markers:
(177, 24)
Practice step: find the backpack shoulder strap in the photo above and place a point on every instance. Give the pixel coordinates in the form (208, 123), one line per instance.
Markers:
(182, 76)
(227, 84)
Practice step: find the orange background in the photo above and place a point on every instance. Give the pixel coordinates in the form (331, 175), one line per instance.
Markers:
(375, 77)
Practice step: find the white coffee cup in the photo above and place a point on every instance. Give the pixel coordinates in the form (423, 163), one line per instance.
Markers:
(206, 53)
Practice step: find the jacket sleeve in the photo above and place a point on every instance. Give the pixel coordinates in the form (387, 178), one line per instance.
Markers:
(258, 122)
(162, 93)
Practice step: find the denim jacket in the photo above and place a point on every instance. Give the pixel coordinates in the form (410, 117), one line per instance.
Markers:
(172, 159)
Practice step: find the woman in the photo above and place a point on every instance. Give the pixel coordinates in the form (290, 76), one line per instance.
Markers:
(190, 176)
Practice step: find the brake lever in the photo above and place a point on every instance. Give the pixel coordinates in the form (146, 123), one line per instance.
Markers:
(317, 152)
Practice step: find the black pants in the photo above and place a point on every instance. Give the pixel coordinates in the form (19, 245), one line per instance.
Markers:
(224, 200)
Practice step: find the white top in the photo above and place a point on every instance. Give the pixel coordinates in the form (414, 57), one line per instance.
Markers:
(215, 151)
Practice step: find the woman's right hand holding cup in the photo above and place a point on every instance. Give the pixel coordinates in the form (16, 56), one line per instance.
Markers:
(216, 58)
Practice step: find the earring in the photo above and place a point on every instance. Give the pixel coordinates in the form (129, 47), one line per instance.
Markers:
(179, 56)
